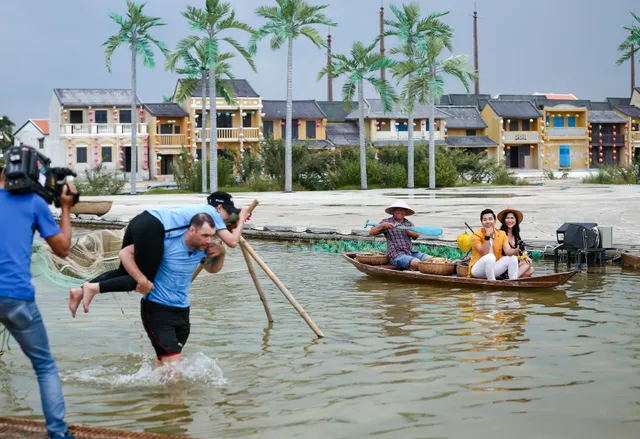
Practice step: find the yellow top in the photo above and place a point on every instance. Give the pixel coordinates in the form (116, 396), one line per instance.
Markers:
(499, 240)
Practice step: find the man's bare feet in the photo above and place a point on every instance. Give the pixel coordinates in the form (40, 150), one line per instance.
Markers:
(75, 296)
(89, 291)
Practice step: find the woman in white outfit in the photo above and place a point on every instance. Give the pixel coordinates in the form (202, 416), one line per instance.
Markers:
(491, 254)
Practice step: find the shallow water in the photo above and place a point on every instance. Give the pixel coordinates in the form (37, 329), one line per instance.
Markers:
(398, 360)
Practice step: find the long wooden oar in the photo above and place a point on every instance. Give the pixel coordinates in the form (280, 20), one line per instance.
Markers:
(280, 285)
(423, 230)
(256, 282)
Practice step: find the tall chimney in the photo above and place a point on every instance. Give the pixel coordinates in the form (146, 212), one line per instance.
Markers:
(329, 66)
(383, 74)
(475, 49)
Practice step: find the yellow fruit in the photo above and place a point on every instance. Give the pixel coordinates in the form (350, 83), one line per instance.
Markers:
(464, 242)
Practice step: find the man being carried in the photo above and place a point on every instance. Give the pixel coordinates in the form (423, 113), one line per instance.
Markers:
(143, 246)
(399, 246)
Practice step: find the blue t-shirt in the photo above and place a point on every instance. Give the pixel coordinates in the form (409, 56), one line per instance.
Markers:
(20, 217)
(171, 284)
(180, 217)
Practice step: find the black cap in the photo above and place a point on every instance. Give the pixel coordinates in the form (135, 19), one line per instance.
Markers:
(223, 198)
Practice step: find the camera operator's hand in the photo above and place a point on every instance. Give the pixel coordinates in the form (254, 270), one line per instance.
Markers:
(67, 199)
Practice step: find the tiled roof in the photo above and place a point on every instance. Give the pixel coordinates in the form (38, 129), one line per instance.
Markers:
(335, 111)
(241, 88)
(629, 110)
(375, 110)
(466, 99)
(316, 144)
(166, 110)
(470, 141)
(405, 142)
(94, 97)
(571, 102)
(606, 116)
(461, 116)
(619, 101)
(515, 109)
(343, 134)
(301, 110)
(600, 106)
(42, 124)
(558, 96)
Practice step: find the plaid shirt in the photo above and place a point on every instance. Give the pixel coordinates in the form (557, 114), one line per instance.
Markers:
(398, 241)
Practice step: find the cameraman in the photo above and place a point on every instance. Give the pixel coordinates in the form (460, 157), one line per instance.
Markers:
(20, 216)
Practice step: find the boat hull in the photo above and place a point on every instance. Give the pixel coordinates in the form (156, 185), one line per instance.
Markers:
(628, 260)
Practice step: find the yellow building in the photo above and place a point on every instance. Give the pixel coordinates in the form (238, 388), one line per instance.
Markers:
(239, 124)
(169, 130)
(631, 114)
(465, 128)
(92, 126)
(517, 128)
(309, 122)
(565, 137)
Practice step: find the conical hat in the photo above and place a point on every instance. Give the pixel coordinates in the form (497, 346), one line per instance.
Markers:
(400, 204)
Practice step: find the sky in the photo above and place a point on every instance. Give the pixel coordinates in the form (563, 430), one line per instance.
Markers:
(559, 46)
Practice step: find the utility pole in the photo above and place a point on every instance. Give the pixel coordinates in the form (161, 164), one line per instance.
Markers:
(475, 48)
(329, 66)
(383, 74)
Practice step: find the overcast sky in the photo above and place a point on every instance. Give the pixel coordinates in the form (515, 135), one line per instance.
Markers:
(561, 46)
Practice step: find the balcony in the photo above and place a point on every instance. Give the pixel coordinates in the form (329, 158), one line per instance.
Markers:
(520, 137)
(607, 139)
(635, 136)
(404, 135)
(232, 134)
(567, 132)
(99, 129)
(172, 140)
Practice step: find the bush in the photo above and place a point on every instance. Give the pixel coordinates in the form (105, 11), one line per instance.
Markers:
(393, 175)
(472, 168)
(99, 181)
(188, 172)
(446, 172)
(614, 175)
(502, 177)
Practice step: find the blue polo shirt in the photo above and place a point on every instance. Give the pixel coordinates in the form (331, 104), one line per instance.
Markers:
(20, 217)
(171, 284)
(180, 217)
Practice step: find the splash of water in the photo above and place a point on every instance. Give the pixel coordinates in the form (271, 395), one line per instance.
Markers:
(196, 368)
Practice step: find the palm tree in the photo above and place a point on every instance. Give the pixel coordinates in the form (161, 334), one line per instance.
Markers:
(359, 68)
(286, 22)
(196, 72)
(214, 19)
(135, 33)
(631, 45)
(425, 83)
(6, 132)
(409, 28)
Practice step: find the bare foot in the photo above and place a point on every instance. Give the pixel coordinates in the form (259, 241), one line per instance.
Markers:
(89, 291)
(75, 296)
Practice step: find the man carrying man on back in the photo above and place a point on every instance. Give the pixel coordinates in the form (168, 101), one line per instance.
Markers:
(20, 217)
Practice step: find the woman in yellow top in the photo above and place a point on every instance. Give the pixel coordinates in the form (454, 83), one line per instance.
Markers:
(491, 254)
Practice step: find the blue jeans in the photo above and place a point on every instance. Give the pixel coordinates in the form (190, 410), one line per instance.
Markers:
(404, 261)
(24, 322)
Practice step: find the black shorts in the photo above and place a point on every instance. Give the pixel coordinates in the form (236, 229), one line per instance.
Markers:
(168, 327)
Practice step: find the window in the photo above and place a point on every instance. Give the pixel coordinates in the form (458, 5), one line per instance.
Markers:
(101, 116)
(513, 125)
(106, 154)
(199, 154)
(41, 143)
(635, 126)
(311, 129)
(526, 125)
(548, 119)
(224, 120)
(558, 121)
(125, 116)
(267, 127)
(166, 128)
(571, 121)
(81, 154)
(76, 116)
(176, 129)
(247, 120)
(165, 164)
(471, 132)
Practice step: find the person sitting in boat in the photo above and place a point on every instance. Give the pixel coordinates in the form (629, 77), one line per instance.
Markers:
(510, 219)
(491, 253)
(399, 246)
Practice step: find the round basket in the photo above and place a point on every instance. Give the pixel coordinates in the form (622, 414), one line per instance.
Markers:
(462, 270)
(439, 269)
(371, 258)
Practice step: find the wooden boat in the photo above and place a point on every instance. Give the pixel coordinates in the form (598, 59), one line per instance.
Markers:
(391, 272)
(93, 207)
(630, 260)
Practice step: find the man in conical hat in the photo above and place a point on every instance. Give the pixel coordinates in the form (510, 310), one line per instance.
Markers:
(399, 246)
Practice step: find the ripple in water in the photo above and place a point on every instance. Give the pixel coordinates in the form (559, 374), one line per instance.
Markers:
(195, 368)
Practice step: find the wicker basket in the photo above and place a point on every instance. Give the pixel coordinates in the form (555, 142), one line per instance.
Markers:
(372, 258)
(462, 270)
(439, 269)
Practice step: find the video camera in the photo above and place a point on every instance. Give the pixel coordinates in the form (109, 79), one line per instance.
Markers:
(28, 171)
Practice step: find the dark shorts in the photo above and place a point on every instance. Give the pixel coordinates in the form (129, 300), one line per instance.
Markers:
(168, 327)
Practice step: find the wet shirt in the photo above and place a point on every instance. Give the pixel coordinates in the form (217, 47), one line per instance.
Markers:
(171, 284)
(20, 217)
(398, 242)
(179, 218)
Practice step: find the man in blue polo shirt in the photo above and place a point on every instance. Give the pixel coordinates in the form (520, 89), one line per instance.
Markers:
(20, 217)
(165, 310)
